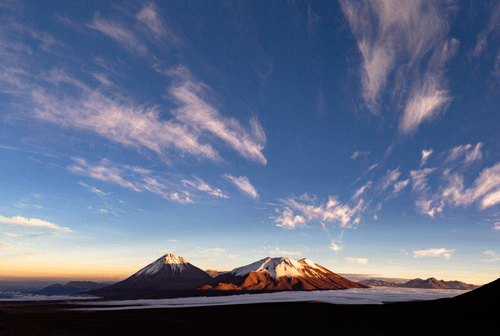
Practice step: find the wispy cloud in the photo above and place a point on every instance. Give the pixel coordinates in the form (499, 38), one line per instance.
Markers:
(433, 252)
(199, 184)
(216, 250)
(125, 123)
(362, 261)
(313, 20)
(13, 235)
(25, 150)
(287, 220)
(362, 190)
(156, 187)
(242, 183)
(132, 177)
(492, 254)
(32, 222)
(105, 171)
(279, 252)
(400, 38)
(94, 190)
(470, 154)
(59, 97)
(400, 185)
(357, 154)
(425, 156)
(424, 105)
(332, 211)
(152, 26)
(492, 25)
(337, 244)
(389, 178)
(486, 186)
(419, 178)
(201, 116)
(119, 33)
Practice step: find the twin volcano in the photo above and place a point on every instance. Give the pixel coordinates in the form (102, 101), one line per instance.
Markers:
(172, 273)
(281, 274)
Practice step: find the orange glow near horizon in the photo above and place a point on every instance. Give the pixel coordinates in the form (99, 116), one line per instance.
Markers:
(63, 272)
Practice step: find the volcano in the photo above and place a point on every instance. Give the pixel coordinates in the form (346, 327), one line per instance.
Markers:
(169, 272)
(281, 274)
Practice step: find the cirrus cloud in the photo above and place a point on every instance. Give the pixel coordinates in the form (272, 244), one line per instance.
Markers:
(32, 222)
(433, 252)
(362, 261)
(242, 183)
(400, 38)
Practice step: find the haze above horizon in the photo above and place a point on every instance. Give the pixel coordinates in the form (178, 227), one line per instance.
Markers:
(362, 135)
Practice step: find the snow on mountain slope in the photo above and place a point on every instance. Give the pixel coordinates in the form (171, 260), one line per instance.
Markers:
(178, 264)
(170, 272)
(281, 274)
(279, 267)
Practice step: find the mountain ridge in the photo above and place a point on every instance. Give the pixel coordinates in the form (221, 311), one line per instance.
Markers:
(171, 275)
(430, 283)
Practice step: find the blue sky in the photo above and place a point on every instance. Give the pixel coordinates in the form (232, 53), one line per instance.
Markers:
(362, 135)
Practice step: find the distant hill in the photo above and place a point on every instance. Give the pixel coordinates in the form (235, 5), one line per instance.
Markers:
(431, 283)
(70, 288)
(437, 284)
(379, 283)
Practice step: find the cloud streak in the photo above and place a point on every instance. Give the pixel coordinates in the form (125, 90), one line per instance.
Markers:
(135, 178)
(482, 38)
(362, 261)
(201, 116)
(242, 183)
(400, 38)
(433, 252)
(119, 33)
(470, 154)
(486, 187)
(32, 222)
(199, 184)
(94, 190)
(138, 126)
(191, 126)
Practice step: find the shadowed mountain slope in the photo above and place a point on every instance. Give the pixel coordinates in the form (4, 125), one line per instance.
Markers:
(169, 272)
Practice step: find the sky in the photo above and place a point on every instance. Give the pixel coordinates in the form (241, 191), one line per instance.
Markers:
(362, 135)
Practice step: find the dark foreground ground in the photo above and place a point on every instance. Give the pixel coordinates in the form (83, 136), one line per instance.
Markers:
(439, 317)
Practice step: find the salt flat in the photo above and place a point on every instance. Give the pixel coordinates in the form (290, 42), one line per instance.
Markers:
(376, 295)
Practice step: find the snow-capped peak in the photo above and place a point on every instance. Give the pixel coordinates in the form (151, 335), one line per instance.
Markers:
(176, 263)
(170, 258)
(279, 267)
